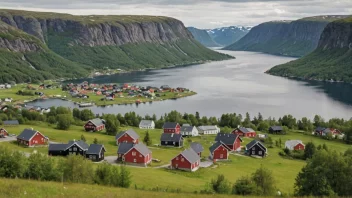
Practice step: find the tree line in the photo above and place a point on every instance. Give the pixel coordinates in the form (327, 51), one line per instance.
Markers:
(74, 168)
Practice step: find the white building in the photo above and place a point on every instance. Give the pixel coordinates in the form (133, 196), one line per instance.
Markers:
(208, 130)
(189, 131)
(147, 124)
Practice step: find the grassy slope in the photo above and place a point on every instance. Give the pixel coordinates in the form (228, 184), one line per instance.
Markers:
(284, 170)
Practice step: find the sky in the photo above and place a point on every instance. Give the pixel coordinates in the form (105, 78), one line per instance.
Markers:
(204, 14)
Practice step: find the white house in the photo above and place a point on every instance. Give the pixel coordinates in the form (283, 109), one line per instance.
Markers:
(208, 130)
(294, 145)
(8, 86)
(189, 131)
(147, 124)
(2, 86)
(8, 100)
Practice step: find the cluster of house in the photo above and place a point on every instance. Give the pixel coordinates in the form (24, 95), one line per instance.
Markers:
(322, 131)
(110, 91)
(5, 86)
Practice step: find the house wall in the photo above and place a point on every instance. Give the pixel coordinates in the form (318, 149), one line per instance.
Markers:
(171, 143)
(95, 157)
(250, 134)
(180, 162)
(3, 132)
(221, 153)
(75, 150)
(37, 139)
(134, 156)
(299, 147)
(176, 130)
(89, 126)
(126, 138)
(256, 150)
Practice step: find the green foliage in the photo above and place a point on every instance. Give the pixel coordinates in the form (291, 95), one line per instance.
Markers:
(42, 167)
(221, 185)
(13, 163)
(125, 177)
(77, 169)
(112, 124)
(63, 122)
(86, 114)
(95, 141)
(244, 186)
(309, 150)
(264, 181)
(147, 140)
(83, 138)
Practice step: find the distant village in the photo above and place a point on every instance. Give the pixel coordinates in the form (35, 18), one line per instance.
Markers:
(132, 151)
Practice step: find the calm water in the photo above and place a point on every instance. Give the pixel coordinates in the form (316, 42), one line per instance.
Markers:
(237, 85)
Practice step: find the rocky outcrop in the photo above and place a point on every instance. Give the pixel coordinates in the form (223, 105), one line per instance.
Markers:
(336, 35)
(288, 38)
(228, 35)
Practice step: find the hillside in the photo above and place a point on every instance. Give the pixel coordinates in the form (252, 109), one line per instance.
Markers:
(332, 60)
(84, 43)
(228, 35)
(203, 37)
(287, 38)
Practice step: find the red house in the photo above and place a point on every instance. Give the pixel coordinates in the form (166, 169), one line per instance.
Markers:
(3, 132)
(232, 141)
(294, 145)
(219, 151)
(96, 124)
(135, 154)
(245, 132)
(188, 160)
(129, 136)
(30, 137)
(171, 127)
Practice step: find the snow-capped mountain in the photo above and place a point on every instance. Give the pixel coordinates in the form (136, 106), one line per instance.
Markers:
(228, 35)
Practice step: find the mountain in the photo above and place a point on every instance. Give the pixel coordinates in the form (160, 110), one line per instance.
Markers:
(331, 61)
(46, 44)
(228, 35)
(203, 37)
(287, 38)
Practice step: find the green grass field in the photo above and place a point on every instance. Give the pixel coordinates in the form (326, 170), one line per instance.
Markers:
(284, 170)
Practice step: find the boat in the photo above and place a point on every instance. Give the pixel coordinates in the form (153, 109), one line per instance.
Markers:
(88, 104)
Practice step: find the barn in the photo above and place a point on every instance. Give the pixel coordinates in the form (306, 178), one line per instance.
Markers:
(96, 124)
(171, 127)
(129, 136)
(30, 137)
(134, 154)
(188, 160)
(245, 132)
(219, 151)
(232, 141)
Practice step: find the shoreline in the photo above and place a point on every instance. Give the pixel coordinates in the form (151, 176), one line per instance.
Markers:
(306, 79)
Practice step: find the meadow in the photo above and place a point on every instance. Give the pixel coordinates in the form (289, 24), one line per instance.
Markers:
(284, 170)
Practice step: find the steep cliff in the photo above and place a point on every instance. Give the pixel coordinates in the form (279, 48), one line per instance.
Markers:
(203, 37)
(331, 61)
(93, 42)
(287, 38)
(228, 35)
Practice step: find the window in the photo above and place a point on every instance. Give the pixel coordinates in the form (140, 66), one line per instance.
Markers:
(140, 155)
(133, 153)
(253, 152)
(125, 135)
(182, 160)
(260, 152)
(70, 149)
(134, 160)
(176, 158)
(221, 155)
(74, 149)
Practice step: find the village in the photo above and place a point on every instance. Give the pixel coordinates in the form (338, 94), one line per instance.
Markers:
(130, 149)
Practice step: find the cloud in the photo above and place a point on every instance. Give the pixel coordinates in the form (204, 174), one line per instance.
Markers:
(198, 13)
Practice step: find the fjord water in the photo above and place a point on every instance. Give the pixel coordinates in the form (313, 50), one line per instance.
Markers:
(237, 85)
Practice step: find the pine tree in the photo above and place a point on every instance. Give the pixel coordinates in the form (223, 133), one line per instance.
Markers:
(147, 139)
(83, 138)
(95, 141)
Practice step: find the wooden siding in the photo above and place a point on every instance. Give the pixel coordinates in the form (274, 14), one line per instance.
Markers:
(134, 156)
(127, 139)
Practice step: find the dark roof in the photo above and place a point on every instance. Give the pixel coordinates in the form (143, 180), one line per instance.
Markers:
(254, 142)
(130, 132)
(213, 147)
(327, 130)
(143, 149)
(169, 125)
(318, 129)
(97, 121)
(190, 155)
(197, 147)
(226, 138)
(27, 134)
(57, 147)
(187, 128)
(171, 137)
(246, 130)
(79, 143)
(95, 149)
(11, 122)
(276, 128)
(124, 147)
(146, 122)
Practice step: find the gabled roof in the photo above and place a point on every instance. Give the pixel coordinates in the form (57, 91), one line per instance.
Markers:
(255, 142)
(292, 143)
(129, 132)
(170, 125)
(57, 147)
(246, 130)
(124, 147)
(216, 145)
(146, 122)
(142, 149)
(276, 128)
(190, 155)
(11, 122)
(97, 121)
(95, 149)
(197, 147)
(318, 129)
(186, 124)
(206, 128)
(170, 137)
(27, 134)
(187, 128)
(327, 130)
(228, 139)
(79, 143)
